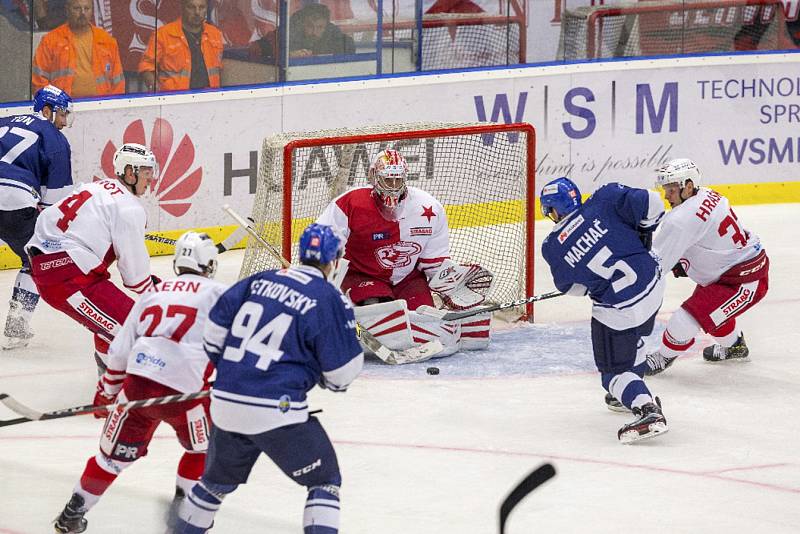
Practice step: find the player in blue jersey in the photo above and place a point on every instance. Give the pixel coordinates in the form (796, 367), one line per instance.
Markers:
(601, 249)
(35, 172)
(273, 336)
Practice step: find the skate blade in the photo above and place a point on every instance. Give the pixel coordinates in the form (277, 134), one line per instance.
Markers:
(654, 430)
(618, 409)
(11, 343)
(741, 360)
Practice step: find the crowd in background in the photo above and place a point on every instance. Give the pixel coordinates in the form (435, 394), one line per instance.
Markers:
(99, 47)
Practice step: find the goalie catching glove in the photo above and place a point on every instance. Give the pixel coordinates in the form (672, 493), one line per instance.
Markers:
(461, 286)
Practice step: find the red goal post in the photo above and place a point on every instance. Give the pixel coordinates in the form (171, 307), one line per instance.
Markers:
(483, 174)
(668, 27)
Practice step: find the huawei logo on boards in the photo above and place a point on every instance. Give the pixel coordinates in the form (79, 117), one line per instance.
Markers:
(177, 181)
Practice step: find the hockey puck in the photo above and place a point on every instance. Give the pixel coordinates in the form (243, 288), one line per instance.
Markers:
(433, 370)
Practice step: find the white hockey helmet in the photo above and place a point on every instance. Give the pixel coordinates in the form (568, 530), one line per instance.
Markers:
(195, 252)
(678, 171)
(387, 174)
(136, 156)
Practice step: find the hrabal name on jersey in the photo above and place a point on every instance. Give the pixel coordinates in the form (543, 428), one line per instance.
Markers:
(585, 243)
(707, 206)
(283, 294)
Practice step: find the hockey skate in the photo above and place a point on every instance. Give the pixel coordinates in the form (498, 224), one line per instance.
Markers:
(172, 513)
(717, 353)
(658, 363)
(71, 520)
(650, 423)
(614, 405)
(17, 332)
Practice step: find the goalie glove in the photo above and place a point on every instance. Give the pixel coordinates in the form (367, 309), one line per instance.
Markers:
(461, 286)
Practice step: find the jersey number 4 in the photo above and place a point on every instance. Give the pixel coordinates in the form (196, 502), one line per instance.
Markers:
(264, 342)
(69, 207)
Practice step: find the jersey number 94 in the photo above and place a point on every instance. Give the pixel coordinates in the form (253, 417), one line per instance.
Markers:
(264, 342)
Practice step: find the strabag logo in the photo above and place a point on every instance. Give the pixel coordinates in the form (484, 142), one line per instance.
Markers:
(177, 182)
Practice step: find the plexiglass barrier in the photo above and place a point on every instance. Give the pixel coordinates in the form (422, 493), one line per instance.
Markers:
(97, 48)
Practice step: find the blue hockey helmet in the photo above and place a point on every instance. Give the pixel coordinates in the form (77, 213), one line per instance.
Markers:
(319, 244)
(562, 195)
(52, 96)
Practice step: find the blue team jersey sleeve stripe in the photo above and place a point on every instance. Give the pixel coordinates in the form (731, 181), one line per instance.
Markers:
(340, 378)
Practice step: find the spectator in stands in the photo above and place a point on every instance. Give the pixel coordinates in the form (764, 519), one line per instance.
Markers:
(311, 33)
(78, 57)
(49, 14)
(184, 54)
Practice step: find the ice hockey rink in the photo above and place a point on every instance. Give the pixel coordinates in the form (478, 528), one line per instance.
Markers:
(437, 454)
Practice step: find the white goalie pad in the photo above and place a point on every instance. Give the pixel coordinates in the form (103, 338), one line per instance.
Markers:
(388, 322)
(461, 286)
(474, 333)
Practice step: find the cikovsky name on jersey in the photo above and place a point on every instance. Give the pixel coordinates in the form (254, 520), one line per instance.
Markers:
(283, 294)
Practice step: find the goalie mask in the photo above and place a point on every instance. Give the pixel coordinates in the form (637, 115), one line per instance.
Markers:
(559, 198)
(387, 174)
(197, 253)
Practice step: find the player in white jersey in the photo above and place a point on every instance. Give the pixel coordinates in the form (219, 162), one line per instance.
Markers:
(77, 239)
(704, 240)
(158, 352)
(398, 249)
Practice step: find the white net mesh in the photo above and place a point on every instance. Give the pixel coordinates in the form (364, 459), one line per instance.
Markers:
(482, 179)
(666, 27)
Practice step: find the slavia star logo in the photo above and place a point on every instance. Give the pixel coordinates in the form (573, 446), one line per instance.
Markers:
(176, 183)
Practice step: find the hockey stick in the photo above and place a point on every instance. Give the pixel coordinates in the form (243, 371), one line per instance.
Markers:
(29, 414)
(229, 242)
(387, 355)
(456, 315)
(536, 478)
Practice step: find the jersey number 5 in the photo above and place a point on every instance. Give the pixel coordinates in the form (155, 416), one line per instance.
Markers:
(597, 266)
(264, 343)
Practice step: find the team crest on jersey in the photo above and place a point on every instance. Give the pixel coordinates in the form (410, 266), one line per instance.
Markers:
(284, 403)
(422, 230)
(398, 254)
(380, 236)
(568, 229)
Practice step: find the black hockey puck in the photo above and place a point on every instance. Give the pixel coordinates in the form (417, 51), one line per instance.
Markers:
(433, 370)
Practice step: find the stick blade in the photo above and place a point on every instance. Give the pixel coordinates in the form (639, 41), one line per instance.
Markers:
(536, 478)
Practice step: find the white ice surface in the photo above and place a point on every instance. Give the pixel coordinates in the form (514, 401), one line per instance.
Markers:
(425, 454)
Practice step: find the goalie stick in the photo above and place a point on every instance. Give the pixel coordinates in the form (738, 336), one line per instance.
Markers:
(228, 243)
(29, 414)
(387, 355)
(536, 478)
(456, 315)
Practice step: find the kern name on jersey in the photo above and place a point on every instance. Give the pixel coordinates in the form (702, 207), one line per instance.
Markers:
(36, 162)
(390, 250)
(98, 223)
(598, 246)
(273, 336)
(162, 339)
(706, 228)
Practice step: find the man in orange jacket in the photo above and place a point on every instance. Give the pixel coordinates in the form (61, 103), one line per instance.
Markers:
(78, 57)
(184, 54)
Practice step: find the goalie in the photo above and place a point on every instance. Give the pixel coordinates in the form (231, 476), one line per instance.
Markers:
(398, 249)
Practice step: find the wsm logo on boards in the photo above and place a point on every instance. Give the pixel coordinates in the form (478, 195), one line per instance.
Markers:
(177, 182)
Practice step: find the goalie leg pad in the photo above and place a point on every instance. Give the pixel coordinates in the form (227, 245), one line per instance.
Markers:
(388, 322)
(426, 328)
(476, 332)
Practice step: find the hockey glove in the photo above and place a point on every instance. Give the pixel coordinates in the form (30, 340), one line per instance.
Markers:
(678, 271)
(646, 238)
(461, 286)
(101, 398)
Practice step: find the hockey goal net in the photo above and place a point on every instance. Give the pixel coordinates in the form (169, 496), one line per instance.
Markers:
(483, 174)
(666, 27)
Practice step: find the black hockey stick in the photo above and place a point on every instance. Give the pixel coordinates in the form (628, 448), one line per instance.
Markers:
(228, 243)
(456, 315)
(29, 414)
(536, 478)
(392, 357)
